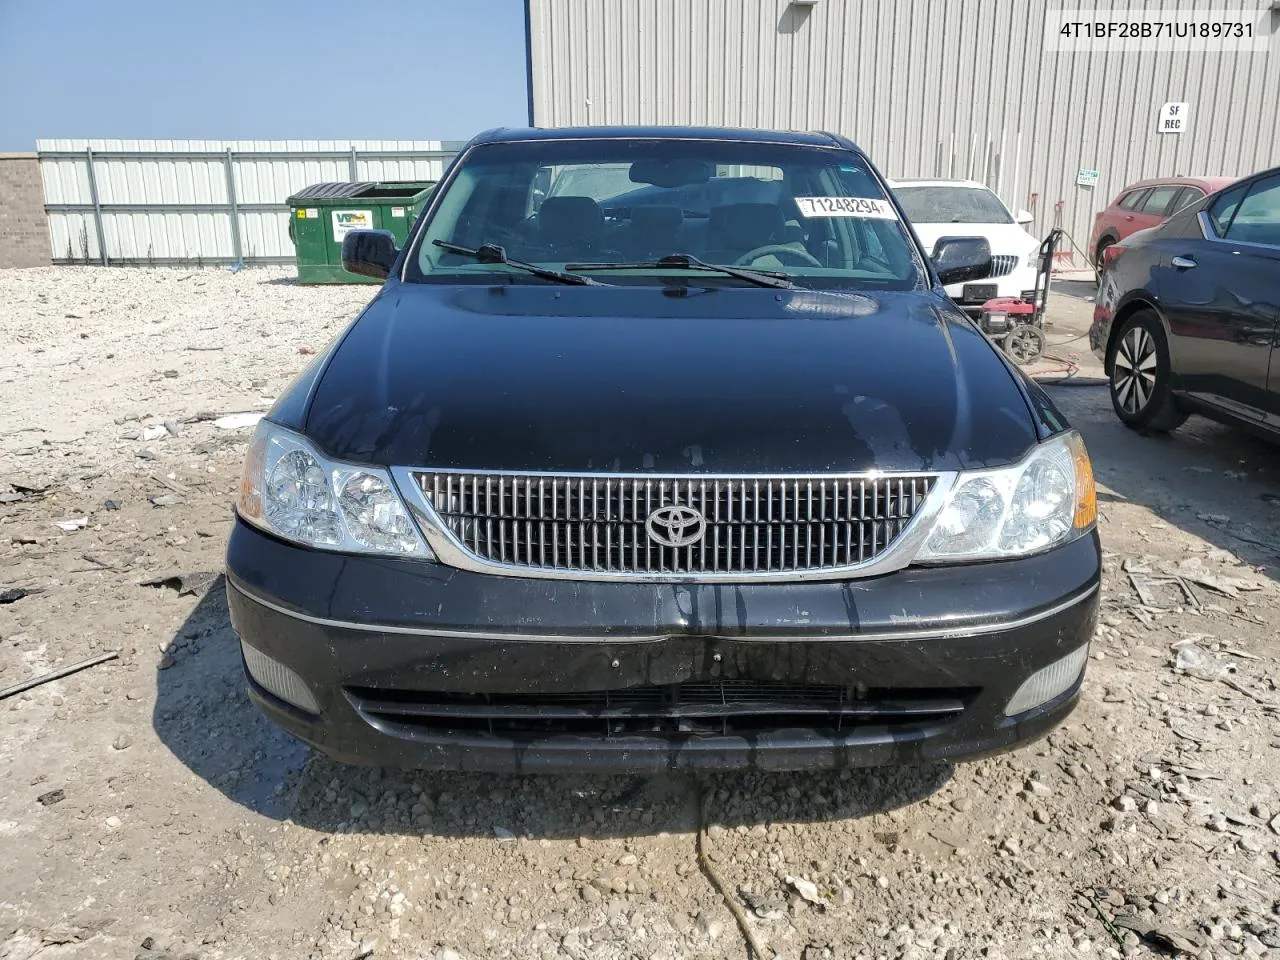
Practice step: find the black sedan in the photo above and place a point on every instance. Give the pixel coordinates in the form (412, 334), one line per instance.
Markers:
(663, 483)
(1187, 313)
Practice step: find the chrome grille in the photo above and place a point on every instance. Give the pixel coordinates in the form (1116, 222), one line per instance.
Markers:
(597, 523)
(1003, 265)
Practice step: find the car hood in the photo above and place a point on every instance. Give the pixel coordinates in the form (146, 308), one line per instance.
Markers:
(536, 377)
(1006, 239)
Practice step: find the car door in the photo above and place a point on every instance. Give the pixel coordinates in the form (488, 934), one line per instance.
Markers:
(1217, 284)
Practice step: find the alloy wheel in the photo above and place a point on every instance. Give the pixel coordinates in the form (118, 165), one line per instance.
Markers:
(1134, 378)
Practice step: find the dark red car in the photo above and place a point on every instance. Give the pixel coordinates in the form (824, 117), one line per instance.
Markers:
(1148, 203)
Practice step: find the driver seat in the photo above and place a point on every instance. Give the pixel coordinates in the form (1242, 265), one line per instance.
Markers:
(735, 228)
(569, 228)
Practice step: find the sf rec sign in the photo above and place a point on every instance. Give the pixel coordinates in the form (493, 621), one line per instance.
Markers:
(1174, 118)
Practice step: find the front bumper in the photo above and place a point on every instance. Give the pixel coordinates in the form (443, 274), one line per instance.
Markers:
(380, 642)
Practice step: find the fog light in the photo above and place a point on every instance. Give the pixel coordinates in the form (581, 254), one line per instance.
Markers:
(1049, 682)
(278, 679)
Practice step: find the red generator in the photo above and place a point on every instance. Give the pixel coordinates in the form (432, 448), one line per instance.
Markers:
(1017, 325)
(1014, 326)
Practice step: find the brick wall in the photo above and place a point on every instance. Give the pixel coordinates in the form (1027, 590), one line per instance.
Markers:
(24, 232)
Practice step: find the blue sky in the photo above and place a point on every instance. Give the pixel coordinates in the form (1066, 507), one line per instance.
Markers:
(259, 69)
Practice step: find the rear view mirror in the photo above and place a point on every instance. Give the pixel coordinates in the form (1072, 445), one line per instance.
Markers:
(962, 259)
(1024, 217)
(669, 173)
(369, 253)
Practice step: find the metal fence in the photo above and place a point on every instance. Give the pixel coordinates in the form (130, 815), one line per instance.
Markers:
(134, 202)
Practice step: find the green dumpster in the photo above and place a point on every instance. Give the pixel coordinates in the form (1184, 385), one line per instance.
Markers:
(322, 214)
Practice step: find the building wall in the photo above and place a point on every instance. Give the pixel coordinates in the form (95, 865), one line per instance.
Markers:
(945, 88)
(24, 232)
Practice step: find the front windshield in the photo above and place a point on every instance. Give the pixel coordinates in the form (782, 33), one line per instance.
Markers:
(946, 204)
(612, 207)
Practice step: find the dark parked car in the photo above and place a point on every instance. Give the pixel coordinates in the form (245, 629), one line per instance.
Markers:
(1187, 313)
(662, 483)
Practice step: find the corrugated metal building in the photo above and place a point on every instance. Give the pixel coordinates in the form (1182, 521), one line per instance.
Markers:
(210, 201)
(929, 88)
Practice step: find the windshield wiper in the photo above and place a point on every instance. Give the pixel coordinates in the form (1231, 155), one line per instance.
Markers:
(494, 253)
(685, 261)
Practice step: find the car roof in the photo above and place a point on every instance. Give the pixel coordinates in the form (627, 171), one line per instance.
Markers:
(1208, 184)
(732, 134)
(940, 182)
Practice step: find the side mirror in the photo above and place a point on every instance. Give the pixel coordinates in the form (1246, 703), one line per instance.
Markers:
(1023, 218)
(370, 253)
(961, 259)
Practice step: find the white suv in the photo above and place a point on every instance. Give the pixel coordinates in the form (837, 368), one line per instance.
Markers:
(951, 208)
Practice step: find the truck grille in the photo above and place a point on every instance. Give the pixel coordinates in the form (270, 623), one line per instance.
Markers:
(1003, 265)
(602, 523)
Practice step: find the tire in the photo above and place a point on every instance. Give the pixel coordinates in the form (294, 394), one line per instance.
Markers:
(1097, 254)
(1141, 377)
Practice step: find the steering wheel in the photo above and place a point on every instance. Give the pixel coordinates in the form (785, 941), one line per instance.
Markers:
(781, 251)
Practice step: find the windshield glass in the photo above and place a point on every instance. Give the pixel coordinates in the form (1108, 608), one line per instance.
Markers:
(815, 214)
(943, 204)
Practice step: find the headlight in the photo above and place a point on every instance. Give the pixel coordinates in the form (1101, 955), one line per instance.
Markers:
(1043, 501)
(291, 490)
(1033, 258)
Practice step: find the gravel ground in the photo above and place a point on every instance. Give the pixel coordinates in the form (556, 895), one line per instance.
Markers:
(148, 811)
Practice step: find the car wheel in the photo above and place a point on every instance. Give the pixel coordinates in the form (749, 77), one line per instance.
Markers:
(1025, 344)
(1097, 254)
(1141, 376)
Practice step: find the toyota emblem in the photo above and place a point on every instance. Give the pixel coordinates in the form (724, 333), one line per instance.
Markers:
(676, 526)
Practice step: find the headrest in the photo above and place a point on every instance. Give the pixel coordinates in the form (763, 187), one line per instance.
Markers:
(509, 205)
(564, 219)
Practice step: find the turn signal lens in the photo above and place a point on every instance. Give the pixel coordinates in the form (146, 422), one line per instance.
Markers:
(1086, 487)
(251, 478)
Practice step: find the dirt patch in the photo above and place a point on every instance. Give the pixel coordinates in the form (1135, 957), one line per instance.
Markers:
(147, 810)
